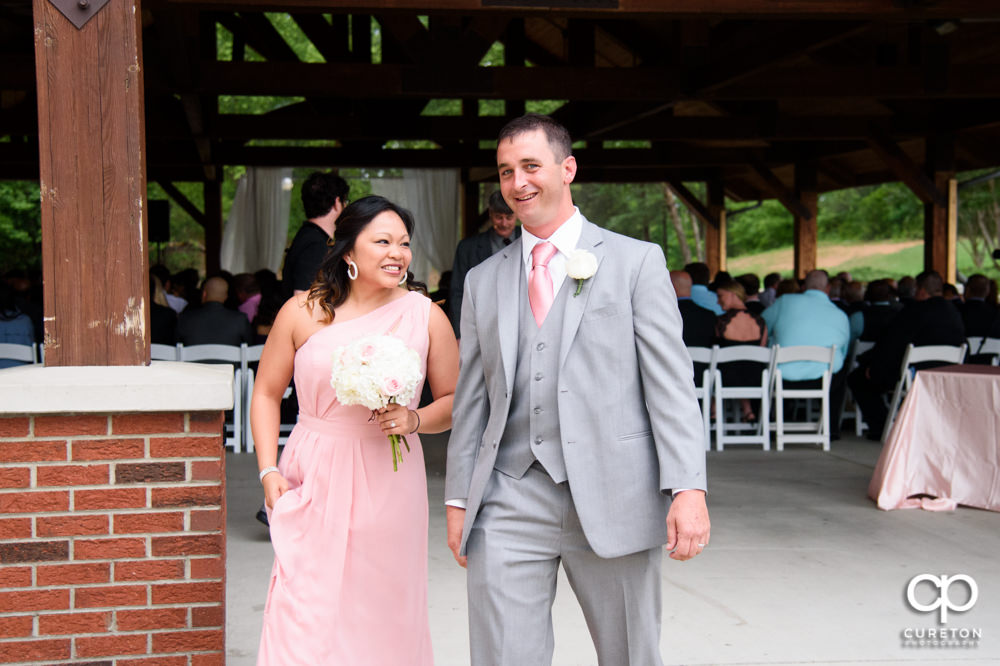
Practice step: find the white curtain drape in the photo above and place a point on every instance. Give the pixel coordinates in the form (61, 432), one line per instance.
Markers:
(433, 196)
(256, 230)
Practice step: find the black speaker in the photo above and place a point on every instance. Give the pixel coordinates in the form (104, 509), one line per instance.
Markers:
(159, 220)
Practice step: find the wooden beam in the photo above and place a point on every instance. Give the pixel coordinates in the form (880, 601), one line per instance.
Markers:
(778, 190)
(331, 40)
(804, 226)
(213, 226)
(906, 169)
(93, 186)
(715, 229)
(830, 9)
(689, 199)
(182, 201)
(941, 221)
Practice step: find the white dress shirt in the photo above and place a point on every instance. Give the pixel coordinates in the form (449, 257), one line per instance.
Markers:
(564, 238)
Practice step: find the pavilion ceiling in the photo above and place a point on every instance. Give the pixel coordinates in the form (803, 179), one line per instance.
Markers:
(738, 93)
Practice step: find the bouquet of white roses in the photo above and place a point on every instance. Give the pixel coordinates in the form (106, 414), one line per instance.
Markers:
(375, 371)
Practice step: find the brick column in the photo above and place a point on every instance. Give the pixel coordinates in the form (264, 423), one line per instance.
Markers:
(112, 523)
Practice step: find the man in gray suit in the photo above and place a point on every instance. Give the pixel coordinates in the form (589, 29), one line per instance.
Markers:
(575, 421)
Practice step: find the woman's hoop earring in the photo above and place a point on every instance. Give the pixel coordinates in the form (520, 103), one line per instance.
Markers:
(351, 266)
(403, 281)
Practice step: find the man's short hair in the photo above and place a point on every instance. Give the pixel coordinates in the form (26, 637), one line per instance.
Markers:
(771, 280)
(818, 279)
(930, 282)
(321, 191)
(498, 205)
(699, 272)
(906, 287)
(977, 286)
(878, 292)
(750, 282)
(556, 134)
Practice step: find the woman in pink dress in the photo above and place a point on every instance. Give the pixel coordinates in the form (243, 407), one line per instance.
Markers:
(349, 582)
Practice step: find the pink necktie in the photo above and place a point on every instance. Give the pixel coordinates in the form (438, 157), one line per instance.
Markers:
(539, 280)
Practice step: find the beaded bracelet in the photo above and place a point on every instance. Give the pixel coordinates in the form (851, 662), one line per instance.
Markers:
(267, 470)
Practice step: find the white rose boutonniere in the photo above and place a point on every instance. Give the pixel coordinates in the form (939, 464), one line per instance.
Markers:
(581, 265)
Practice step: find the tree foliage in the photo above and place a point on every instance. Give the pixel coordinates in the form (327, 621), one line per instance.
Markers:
(20, 226)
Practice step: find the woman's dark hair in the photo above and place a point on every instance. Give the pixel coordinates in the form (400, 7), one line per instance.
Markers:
(331, 287)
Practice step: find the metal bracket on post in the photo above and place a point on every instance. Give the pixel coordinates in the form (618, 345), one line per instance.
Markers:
(79, 11)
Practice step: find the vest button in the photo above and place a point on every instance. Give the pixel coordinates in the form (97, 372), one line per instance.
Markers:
(538, 377)
(541, 346)
(538, 410)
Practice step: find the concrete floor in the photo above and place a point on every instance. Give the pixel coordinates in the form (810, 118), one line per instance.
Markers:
(802, 569)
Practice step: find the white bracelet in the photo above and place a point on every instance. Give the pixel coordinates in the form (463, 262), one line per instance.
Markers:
(267, 470)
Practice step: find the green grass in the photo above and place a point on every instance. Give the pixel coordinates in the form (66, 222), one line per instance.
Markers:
(908, 261)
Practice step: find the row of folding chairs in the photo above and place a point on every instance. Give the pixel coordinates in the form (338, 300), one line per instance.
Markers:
(28, 354)
(244, 358)
(915, 356)
(771, 392)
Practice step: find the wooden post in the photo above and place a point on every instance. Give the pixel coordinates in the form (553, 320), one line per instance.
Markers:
(715, 227)
(213, 224)
(93, 185)
(941, 221)
(804, 227)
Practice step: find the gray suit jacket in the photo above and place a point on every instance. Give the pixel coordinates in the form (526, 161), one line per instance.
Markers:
(631, 426)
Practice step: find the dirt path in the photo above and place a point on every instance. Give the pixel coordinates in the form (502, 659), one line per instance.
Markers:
(829, 255)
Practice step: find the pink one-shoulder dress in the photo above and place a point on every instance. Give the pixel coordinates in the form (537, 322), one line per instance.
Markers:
(349, 582)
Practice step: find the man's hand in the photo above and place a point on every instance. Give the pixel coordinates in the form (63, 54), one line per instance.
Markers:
(456, 521)
(688, 527)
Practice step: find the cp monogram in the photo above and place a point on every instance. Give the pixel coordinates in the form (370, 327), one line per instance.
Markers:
(943, 601)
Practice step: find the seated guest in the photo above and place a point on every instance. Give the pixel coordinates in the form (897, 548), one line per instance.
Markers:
(929, 320)
(738, 326)
(247, 293)
(879, 312)
(950, 293)
(906, 290)
(15, 326)
(212, 323)
(810, 318)
(700, 292)
(699, 323)
(786, 286)
(162, 319)
(837, 287)
(770, 292)
(977, 314)
(751, 285)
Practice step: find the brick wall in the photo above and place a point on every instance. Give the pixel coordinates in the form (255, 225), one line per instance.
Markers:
(112, 539)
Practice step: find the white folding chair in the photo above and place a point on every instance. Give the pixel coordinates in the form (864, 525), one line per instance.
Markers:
(973, 343)
(225, 354)
(11, 351)
(703, 391)
(795, 432)
(990, 346)
(253, 353)
(159, 352)
(737, 432)
(942, 354)
(859, 348)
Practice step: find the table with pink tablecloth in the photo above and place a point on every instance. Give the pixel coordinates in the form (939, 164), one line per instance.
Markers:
(945, 444)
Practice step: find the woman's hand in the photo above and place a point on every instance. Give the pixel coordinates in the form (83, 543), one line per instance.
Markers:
(275, 486)
(397, 420)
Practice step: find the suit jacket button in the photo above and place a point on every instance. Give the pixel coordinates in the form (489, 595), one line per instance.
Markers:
(538, 440)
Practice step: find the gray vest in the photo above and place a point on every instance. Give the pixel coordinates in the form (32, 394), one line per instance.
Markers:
(532, 431)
